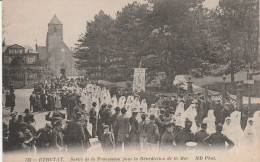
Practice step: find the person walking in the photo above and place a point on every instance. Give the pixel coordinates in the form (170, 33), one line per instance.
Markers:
(217, 140)
(75, 134)
(200, 136)
(93, 119)
(12, 101)
(122, 125)
(133, 134)
(153, 135)
(168, 138)
(143, 133)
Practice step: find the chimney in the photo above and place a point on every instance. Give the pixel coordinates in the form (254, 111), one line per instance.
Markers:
(36, 47)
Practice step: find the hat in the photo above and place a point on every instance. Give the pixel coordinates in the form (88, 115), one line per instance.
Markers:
(55, 114)
(144, 115)
(191, 144)
(103, 105)
(94, 104)
(123, 109)
(26, 111)
(219, 127)
(134, 110)
(152, 117)
(78, 115)
(117, 109)
(105, 126)
(57, 118)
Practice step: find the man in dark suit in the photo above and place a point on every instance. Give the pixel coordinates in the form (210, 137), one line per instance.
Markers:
(201, 135)
(93, 119)
(12, 100)
(153, 136)
(75, 134)
(159, 121)
(122, 125)
(217, 140)
(113, 121)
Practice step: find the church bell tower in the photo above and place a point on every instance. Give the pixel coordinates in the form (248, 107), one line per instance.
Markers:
(55, 33)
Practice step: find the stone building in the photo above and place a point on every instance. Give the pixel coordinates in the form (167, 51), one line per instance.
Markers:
(20, 64)
(56, 53)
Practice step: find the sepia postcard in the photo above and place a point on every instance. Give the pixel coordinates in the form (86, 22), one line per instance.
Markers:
(130, 80)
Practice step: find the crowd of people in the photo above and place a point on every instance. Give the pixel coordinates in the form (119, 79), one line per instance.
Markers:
(124, 122)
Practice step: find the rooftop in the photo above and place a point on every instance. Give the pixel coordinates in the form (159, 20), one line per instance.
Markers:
(55, 20)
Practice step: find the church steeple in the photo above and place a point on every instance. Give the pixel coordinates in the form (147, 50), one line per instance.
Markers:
(55, 32)
(55, 20)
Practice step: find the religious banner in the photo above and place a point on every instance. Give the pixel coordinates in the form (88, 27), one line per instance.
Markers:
(139, 80)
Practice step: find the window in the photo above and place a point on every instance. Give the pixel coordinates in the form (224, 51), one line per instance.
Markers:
(30, 60)
(21, 51)
(55, 29)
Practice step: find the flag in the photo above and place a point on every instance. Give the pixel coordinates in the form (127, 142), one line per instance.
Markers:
(139, 79)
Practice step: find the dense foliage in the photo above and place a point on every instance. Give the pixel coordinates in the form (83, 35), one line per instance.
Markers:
(171, 36)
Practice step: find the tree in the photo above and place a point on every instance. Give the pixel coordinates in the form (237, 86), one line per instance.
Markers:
(238, 24)
(95, 46)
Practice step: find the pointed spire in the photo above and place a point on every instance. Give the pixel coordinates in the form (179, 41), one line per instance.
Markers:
(55, 20)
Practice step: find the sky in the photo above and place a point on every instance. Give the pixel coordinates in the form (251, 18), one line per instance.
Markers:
(27, 20)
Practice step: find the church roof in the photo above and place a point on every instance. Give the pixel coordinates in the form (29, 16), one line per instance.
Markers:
(55, 20)
(42, 50)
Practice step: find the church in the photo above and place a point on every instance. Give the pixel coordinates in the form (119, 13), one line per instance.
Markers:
(56, 54)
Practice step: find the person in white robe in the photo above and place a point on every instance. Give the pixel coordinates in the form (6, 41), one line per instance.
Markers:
(108, 98)
(180, 108)
(211, 125)
(249, 135)
(191, 114)
(227, 129)
(114, 103)
(256, 118)
(236, 129)
(129, 102)
(143, 106)
(121, 102)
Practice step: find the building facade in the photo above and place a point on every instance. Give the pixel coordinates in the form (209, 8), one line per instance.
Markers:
(56, 53)
(20, 64)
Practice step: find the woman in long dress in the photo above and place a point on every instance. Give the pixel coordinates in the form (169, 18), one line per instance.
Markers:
(180, 108)
(227, 128)
(114, 103)
(57, 102)
(256, 118)
(211, 122)
(237, 131)
(121, 102)
(129, 102)
(249, 134)
(143, 106)
(191, 114)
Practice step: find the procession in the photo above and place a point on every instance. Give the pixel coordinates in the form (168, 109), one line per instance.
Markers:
(123, 123)
(148, 80)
